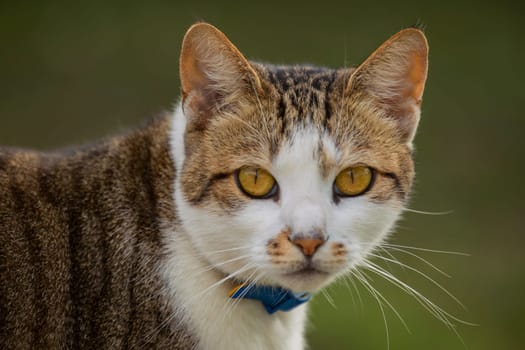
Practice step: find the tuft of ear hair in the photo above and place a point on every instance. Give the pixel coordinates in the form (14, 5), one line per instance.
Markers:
(213, 73)
(394, 76)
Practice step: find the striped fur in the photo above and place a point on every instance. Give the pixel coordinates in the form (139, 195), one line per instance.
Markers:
(80, 244)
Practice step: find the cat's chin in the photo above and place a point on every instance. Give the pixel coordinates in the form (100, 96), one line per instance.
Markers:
(305, 280)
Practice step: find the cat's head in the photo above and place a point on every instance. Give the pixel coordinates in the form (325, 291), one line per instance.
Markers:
(290, 176)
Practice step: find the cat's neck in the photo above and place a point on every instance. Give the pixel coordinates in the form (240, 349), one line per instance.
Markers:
(201, 300)
(200, 293)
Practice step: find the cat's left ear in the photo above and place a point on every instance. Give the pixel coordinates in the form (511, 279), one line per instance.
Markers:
(394, 76)
(214, 74)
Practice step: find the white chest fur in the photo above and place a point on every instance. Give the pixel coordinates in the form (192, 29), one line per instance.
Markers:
(220, 323)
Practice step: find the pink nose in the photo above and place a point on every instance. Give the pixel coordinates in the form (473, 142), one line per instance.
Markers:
(308, 245)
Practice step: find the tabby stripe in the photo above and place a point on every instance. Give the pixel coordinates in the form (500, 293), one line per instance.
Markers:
(23, 205)
(282, 114)
(3, 162)
(205, 191)
(400, 191)
(327, 111)
(327, 93)
(75, 231)
(45, 185)
(146, 211)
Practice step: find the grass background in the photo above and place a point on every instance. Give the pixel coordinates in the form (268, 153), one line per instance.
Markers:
(72, 72)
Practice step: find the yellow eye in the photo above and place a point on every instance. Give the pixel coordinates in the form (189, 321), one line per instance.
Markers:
(353, 181)
(256, 182)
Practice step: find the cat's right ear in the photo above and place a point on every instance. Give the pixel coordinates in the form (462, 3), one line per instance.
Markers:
(214, 74)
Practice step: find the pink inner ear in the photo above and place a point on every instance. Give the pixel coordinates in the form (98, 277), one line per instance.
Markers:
(417, 75)
(193, 78)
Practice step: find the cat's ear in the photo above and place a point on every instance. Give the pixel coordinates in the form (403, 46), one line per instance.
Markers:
(394, 76)
(213, 73)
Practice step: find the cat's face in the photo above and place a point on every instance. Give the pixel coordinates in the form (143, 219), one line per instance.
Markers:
(290, 176)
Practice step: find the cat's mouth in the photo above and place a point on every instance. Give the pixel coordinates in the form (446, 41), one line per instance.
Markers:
(305, 278)
(306, 272)
(309, 270)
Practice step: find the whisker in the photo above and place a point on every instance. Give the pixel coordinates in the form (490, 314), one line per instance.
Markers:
(230, 249)
(213, 266)
(425, 249)
(432, 307)
(435, 310)
(424, 276)
(228, 277)
(372, 291)
(384, 250)
(358, 293)
(348, 277)
(345, 280)
(364, 279)
(328, 298)
(253, 282)
(419, 258)
(234, 302)
(427, 304)
(437, 213)
(389, 254)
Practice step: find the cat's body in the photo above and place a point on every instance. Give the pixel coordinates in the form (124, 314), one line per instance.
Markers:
(81, 243)
(135, 242)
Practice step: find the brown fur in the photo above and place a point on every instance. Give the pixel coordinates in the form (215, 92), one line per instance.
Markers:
(279, 246)
(80, 245)
(339, 249)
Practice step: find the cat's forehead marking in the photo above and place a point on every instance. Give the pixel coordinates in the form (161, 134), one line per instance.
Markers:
(328, 155)
(297, 78)
(304, 94)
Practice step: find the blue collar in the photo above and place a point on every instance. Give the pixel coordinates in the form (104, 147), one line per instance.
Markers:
(273, 298)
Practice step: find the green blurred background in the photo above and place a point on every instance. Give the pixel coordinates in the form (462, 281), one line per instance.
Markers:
(72, 72)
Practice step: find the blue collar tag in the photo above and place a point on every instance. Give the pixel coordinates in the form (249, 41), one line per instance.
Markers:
(273, 298)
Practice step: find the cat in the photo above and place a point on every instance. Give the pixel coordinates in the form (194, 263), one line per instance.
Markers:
(265, 180)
